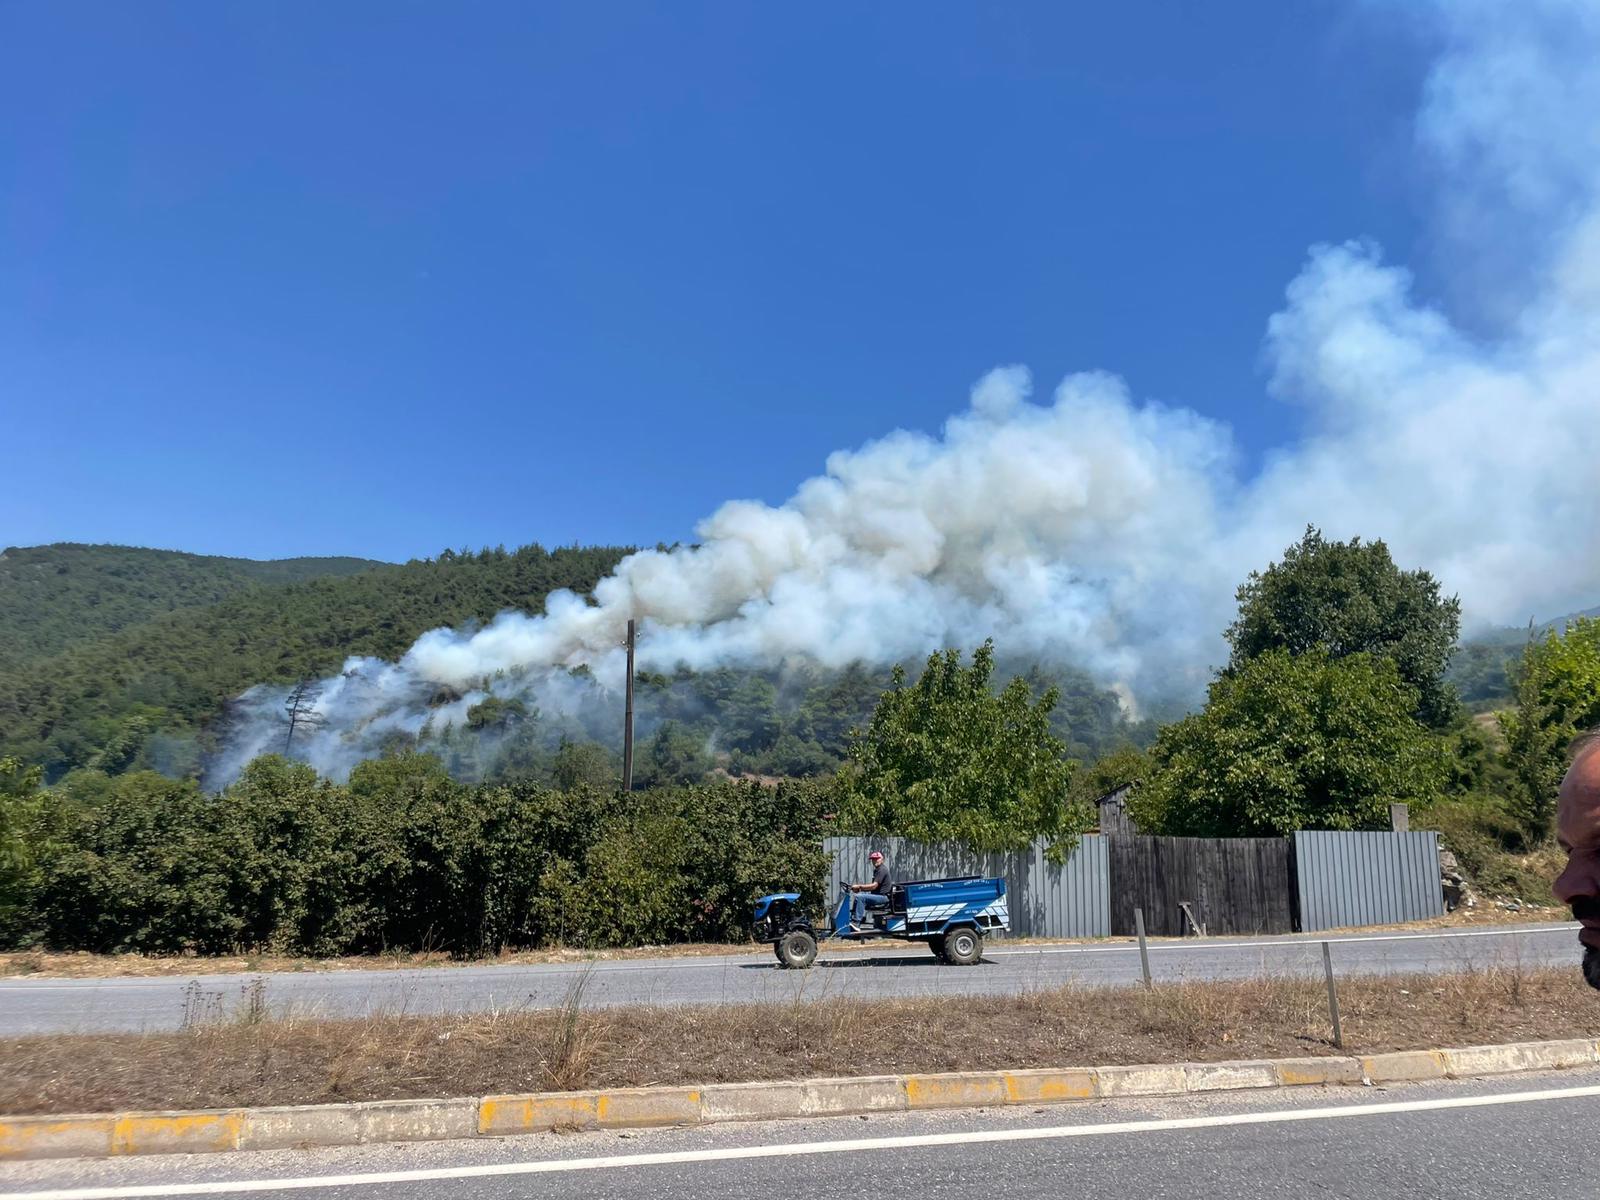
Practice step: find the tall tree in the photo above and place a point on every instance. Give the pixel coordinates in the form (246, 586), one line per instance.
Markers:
(21, 831)
(1558, 697)
(495, 715)
(583, 764)
(1290, 742)
(1350, 598)
(301, 707)
(950, 759)
(674, 755)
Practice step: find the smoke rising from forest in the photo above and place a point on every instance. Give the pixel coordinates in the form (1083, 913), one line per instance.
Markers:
(1086, 527)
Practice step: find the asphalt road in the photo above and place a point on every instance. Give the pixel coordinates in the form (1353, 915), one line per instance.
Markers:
(43, 1005)
(1531, 1137)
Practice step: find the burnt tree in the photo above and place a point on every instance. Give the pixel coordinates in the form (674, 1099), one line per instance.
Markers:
(301, 705)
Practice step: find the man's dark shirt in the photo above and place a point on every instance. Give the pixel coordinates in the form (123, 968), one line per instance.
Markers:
(881, 883)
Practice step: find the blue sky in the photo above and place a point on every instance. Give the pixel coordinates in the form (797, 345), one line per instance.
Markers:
(379, 279)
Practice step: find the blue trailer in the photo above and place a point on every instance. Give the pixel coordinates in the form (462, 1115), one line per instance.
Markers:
(952, 916)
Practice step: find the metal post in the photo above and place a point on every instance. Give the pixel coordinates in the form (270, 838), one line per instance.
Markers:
(627, 720)
(1144, 951)
(1333, 996)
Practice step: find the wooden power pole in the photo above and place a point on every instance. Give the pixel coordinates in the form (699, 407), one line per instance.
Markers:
(627, 720)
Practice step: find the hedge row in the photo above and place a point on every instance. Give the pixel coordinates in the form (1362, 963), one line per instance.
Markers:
(402, 857)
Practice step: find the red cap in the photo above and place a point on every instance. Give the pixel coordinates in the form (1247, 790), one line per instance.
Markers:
(876, 854)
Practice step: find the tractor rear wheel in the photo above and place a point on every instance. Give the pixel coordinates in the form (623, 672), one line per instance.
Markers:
(963, 948)
(936, 944)
(797, 949)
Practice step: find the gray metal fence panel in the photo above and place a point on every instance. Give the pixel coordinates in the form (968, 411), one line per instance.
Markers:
(1350, 879)
(1045, 900)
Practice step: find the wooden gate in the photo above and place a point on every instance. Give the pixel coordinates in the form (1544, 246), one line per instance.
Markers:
(1232, 885)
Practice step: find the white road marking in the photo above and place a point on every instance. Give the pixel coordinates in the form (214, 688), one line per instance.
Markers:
(801, 1149)
(505, 974)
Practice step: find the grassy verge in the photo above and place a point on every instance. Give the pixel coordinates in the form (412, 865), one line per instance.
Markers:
(249, 1057)
(84, 965)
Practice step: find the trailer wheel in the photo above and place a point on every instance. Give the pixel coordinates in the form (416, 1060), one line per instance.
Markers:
(936, 944)
(963, 948)
(797, 949)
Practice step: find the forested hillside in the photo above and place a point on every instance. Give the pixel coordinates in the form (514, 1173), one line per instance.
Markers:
(1480, 671)
(55, 597)
(491, 827)
(790, 722)
(138, 694)
(120, 694)
(120, 659)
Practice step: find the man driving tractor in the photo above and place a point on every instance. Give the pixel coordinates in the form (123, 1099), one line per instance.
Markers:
(870, 895)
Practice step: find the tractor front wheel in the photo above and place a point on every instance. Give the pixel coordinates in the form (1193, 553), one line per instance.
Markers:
(797, 949)
(963, 948)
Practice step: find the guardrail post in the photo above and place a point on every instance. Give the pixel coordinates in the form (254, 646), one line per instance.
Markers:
(1144, 952)
(1333, 996)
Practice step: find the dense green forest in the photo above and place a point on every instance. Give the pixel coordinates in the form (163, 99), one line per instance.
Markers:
(506, 830)
(146, 694)
(793, 722)
(55, 597)
(119, 659)
(152, 693)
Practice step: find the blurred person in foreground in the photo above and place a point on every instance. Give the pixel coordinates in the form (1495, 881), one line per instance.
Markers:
(1578, 831)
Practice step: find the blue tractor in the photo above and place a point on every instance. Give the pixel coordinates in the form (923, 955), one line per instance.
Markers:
(952, 916)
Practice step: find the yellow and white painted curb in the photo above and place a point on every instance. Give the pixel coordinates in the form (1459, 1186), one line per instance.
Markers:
(107, 1134)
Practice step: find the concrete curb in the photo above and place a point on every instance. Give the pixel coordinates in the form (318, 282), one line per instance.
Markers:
(109, 1134)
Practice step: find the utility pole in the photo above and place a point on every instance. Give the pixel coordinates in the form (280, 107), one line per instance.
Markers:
(627, 720)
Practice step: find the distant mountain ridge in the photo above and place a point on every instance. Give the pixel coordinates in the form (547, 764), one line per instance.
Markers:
(122, 658)
(1515, 635)
(1479, 669)
(125, 695)
(56, 596)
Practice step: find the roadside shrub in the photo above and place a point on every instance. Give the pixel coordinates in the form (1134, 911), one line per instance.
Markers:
(404, 858)
(1493, 848)
(149, 870)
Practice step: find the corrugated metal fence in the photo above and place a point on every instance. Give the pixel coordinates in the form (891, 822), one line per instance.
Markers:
(1341, 879)
(1349, 879)
(1046, 900)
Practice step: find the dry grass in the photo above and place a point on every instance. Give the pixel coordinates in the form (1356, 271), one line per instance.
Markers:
(245, 1056)
(1487, 913)
(84, 965)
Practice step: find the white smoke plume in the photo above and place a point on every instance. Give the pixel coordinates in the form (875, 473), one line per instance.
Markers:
(1093, 530)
